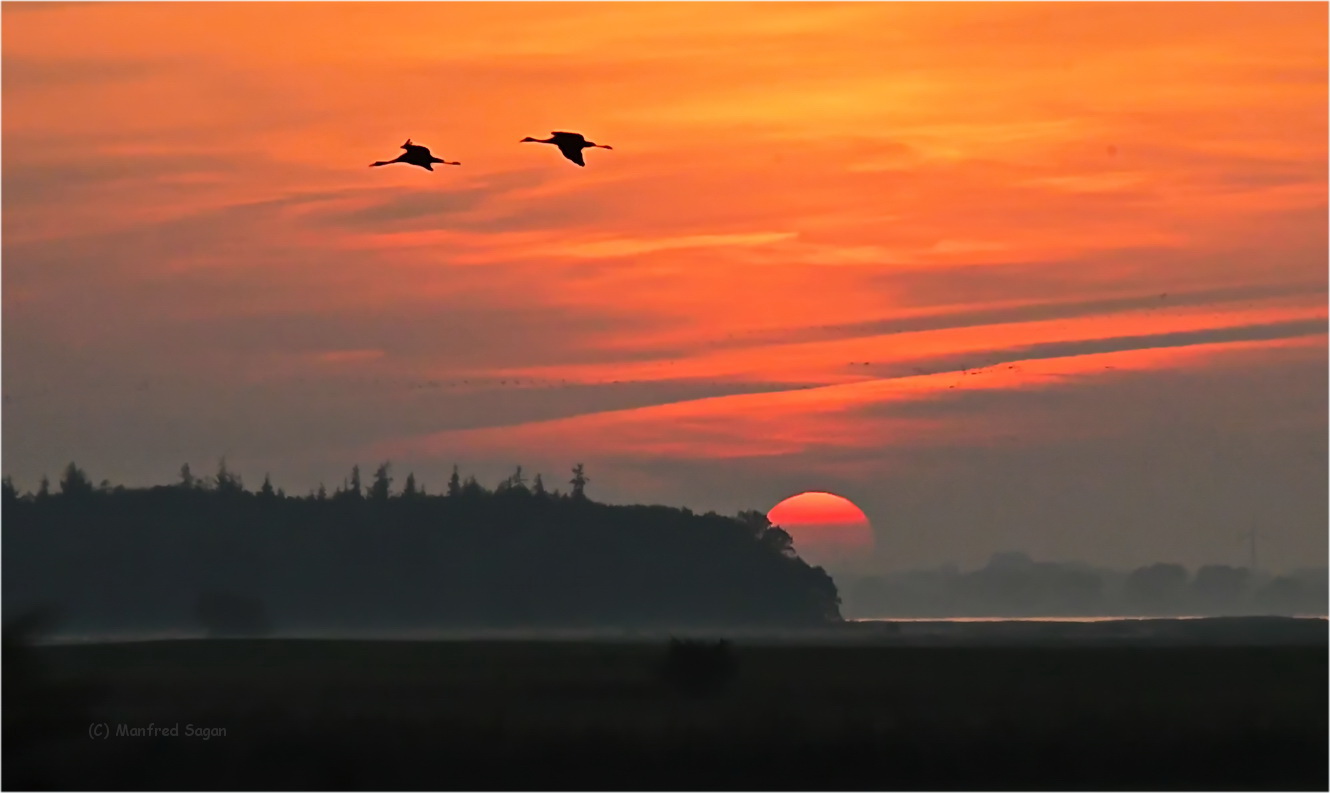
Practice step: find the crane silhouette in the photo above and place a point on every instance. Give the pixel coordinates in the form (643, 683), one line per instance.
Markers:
(415, 155)
(570, 143)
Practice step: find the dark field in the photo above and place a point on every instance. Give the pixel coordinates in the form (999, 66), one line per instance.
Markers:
(302, 714)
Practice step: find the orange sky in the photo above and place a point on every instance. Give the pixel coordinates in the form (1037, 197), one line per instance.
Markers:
(815, 219)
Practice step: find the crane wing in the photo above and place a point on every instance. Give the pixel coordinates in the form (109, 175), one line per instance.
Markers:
(574, 153)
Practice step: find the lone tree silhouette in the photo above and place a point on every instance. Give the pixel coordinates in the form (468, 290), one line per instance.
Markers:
(579, 483)
(226, 481)
(354, 487)
(379, 491)
(75, 482)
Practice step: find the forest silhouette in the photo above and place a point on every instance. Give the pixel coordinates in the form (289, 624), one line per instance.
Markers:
(363, 557)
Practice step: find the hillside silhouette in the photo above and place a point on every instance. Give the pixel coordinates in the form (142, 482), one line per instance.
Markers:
(208, 553)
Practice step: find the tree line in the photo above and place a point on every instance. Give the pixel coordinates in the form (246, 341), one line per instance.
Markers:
(1012, 584)
(75, 482)
(371, 556)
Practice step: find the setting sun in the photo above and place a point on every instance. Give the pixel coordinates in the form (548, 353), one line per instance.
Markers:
(828, 530)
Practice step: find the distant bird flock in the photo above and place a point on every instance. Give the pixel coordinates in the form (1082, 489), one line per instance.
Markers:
(570, 144)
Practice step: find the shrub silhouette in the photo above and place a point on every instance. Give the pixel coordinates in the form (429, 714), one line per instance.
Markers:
(699, 668)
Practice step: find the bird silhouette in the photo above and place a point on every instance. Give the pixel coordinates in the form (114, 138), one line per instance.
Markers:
(570, 143)
(415, 155)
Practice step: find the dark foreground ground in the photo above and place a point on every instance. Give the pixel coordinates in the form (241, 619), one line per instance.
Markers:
(317, 714)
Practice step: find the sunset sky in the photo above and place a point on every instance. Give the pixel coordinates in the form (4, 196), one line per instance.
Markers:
(816, 219)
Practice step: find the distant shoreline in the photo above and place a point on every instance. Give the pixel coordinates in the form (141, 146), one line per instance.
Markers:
(914, 631)
(1123, 618)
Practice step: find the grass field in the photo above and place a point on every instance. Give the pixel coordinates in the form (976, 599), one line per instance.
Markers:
(563, 715)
